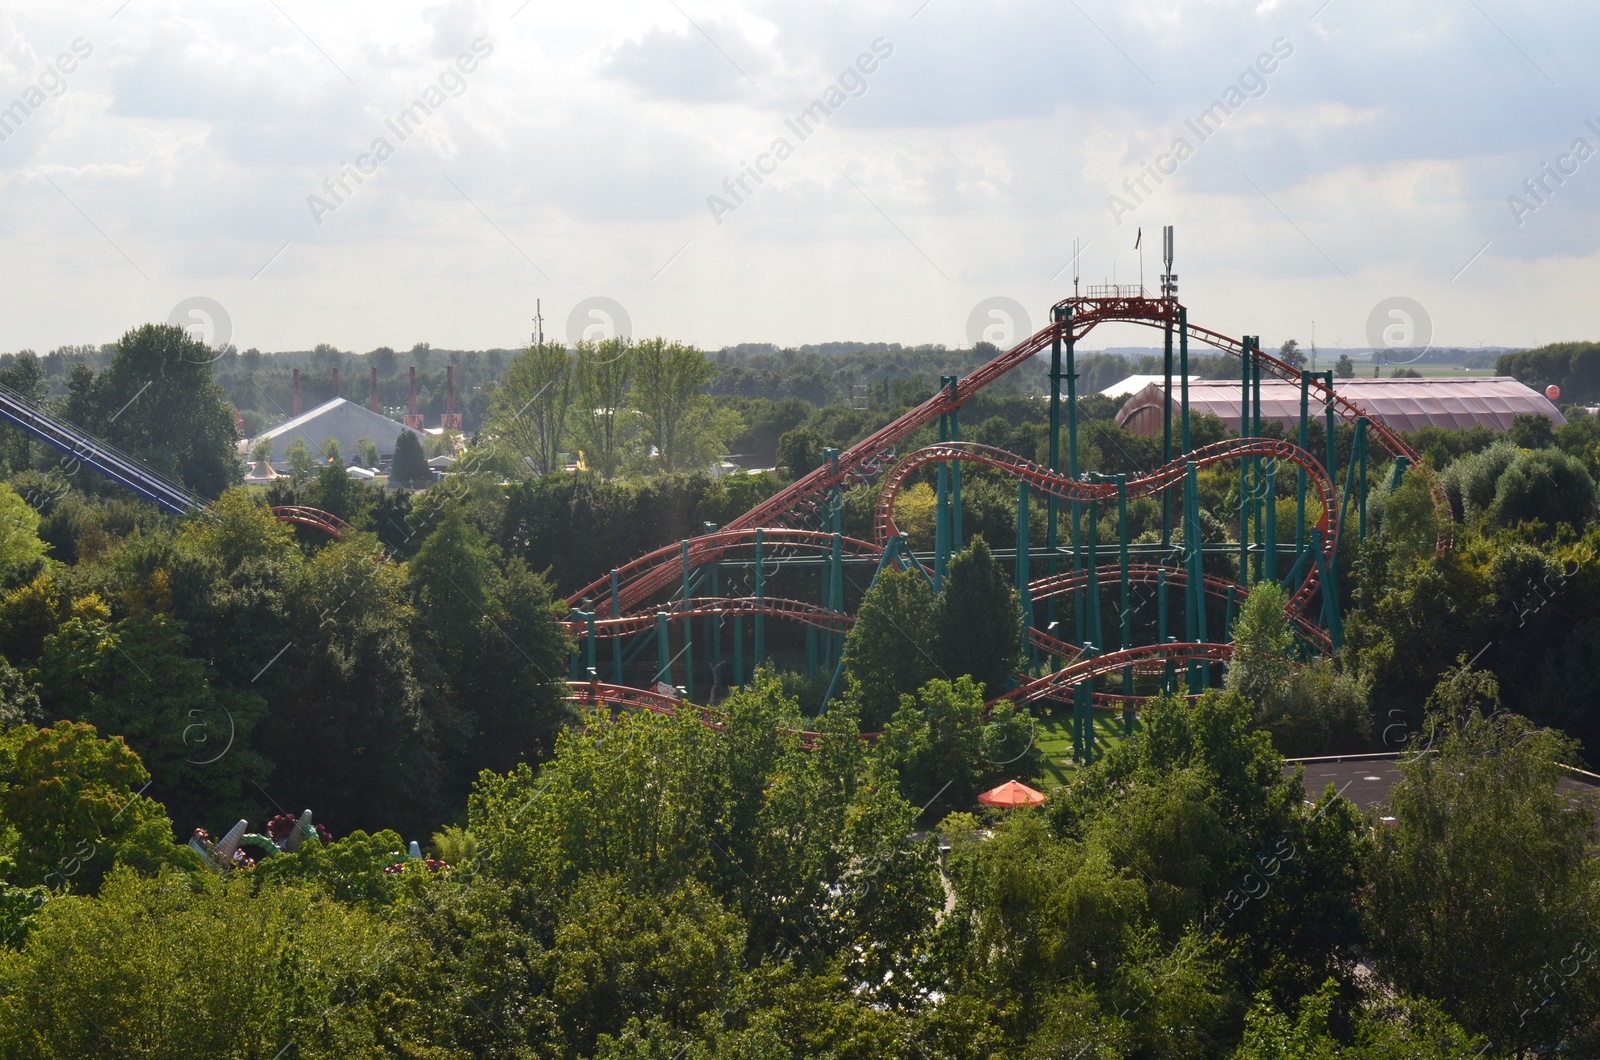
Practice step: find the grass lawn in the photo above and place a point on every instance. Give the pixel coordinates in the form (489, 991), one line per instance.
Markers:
(1053, 735)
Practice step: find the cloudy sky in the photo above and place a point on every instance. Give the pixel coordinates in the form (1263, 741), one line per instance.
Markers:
(163, 150)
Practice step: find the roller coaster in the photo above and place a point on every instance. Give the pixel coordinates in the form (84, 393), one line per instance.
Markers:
(734, 579)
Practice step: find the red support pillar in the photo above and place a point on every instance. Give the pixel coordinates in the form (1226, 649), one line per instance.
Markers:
(452, 418)
(413, 420)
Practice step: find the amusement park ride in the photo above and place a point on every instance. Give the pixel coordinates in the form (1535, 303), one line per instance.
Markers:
(794, 540)
(759, 566)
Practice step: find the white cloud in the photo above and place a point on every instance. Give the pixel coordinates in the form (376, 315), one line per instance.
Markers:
(592, 136)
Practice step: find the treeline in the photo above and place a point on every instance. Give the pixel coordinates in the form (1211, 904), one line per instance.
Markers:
(1572, 366)
(662, 889)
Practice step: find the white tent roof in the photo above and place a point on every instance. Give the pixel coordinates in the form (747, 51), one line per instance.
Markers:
(341, 419)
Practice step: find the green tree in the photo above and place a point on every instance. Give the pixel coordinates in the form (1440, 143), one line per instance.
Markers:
(1290, 354)
(686, 429)
(158, 401)
(1545, 485)
(136, 678)
(1344, 368)
(261, 451)
(352, 732)
(331, 452)
(73, 800)
(1262, 663)
(1485, 880)
(1399, 1030)
(367, 452)
(195, 966)
(302, 464)
(22, 554)
(980, 621)
(24, 376)
(409, 469)
(530, 406)
(800, 451)
(946, 750)
(889, 652)
(602, 374)
(19, 698)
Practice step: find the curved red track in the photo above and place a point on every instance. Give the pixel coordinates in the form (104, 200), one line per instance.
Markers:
(315, 518)
(773, 518)
(644, 577)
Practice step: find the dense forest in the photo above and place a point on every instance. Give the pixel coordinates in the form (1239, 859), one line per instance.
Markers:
(644, 886)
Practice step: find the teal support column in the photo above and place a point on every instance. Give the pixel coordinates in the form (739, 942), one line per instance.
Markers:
(1126, 598)
(824, 639)
(1072, 472)
(1256, 469)
(1400, 465)
(714, 621)
(1122, 561)
(1023, 598)
(1161, 605)
(1196, 605)
(738, 650)
(836, 595)
(1096, 630)
(589, 655)
(761, 621)
(688, 631)
(1269, 525)
(1197, 569)
(1361, 444)
(1083, 712)
(941, 530)
(1356, 449)
(1166, 433)
(1169, 683)
(957, 540)
(1050, 539)
(1330, 599)
(616, 642)
(1227, 615)
(1183, 371)
(1300, 472)
(575, 659)
(1332, 465)
(663, 651)
(1244, 468)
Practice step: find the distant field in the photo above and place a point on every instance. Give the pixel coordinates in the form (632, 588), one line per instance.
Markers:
(1430, 370)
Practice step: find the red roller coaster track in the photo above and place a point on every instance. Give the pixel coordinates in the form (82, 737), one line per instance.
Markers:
(315, 518)
(625, 609)
(648, 575)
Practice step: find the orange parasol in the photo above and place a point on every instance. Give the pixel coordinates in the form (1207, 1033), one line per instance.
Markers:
(1011, 794)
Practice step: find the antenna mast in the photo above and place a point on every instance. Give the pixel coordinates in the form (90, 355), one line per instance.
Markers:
(1169, 279)
(538, 323)
(1076, 263)
(1138, 244)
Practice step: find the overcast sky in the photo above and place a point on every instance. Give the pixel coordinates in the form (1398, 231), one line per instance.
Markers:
(564, 152)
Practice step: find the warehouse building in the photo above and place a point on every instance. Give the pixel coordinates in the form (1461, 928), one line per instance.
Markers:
(340, 419)
(1402, 404)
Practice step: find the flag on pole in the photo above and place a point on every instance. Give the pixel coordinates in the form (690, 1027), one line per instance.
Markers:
(1138, 237)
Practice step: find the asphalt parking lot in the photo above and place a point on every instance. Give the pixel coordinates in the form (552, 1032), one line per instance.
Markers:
(1366, 779)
